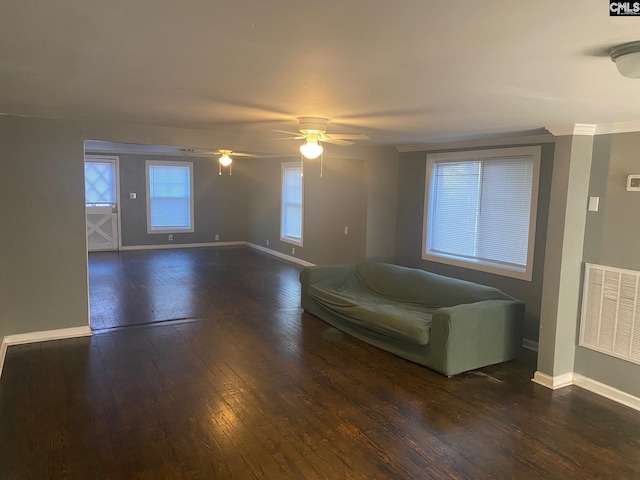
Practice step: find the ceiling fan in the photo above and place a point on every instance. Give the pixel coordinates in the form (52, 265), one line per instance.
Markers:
(225, 156)
(313, 131)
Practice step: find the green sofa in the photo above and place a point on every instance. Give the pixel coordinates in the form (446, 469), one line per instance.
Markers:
(448, 325)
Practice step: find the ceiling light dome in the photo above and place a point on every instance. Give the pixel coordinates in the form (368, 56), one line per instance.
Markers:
(311, 148)
(627, 59)
(225, 160)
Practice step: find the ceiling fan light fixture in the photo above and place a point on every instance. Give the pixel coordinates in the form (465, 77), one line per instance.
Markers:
(311, 148)
(225, 160)
(627, 59)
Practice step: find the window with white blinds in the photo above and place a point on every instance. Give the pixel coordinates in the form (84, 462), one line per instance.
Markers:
(480, 209)
(291, 212)
(169, 197)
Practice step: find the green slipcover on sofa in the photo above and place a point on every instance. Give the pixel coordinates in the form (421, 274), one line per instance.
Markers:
(446, 324)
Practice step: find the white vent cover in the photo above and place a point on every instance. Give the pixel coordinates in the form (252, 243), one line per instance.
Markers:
(611, 312)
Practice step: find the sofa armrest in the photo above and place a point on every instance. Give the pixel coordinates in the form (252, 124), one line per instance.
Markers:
(469, 336)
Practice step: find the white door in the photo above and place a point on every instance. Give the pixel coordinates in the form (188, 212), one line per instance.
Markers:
(101, 197)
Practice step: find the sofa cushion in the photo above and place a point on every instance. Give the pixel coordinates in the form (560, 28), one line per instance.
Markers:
(402, 321)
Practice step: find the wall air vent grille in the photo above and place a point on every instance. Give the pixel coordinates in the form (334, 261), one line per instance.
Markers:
(611, 312)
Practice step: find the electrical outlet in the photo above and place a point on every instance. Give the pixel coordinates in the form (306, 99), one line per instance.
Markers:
(170, 238)
(267, 243)
(217, 237)
(293, 250)
(346, 230)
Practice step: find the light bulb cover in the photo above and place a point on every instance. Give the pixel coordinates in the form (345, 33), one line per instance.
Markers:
(311, 149)
(627, 59)
(225, 160)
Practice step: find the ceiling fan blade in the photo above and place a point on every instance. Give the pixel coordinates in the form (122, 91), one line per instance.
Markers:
(348, 136)
(289, 138)
(237, 154)
(287, 132)
(205, 152)
(336, 141)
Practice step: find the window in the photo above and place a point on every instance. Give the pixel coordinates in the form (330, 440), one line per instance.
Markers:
(169, 197)
(291, 212)
(480, 209)
(100, 181)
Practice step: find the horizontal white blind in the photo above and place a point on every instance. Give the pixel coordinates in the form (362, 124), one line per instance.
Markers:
(291, 227)
(170, 197)
(610, 321)
(455, 205)
(503, 220)
(480, 210)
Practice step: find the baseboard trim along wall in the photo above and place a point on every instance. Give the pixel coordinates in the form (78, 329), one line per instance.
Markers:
(599, 388)
(283, 256)
(606, 391)
(182, 245)
(43, 336)
(268, 251)
(553, 383)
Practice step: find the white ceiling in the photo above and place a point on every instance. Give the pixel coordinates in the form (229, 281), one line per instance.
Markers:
(403, 72)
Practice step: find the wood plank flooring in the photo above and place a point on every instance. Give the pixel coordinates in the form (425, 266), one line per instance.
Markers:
(256, 389)
(132, 288)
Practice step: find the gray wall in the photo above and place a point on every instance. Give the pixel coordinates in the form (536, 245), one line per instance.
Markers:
(411, 188)
(611, 238)
(43, 259)
(219, 202)
(382, 185)
(336, 200)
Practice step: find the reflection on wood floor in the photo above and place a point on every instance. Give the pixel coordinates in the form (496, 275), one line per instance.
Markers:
(247, 386)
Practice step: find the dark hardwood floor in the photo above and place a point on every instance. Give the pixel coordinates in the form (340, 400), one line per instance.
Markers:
(132, 288)
(251, 387)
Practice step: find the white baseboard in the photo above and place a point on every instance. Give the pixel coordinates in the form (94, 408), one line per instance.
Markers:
(599, 388)
(268, 251)
(43, 336)
(530, 344)
(606, 391)
(182, 245)
(289, 258)
(553, 383)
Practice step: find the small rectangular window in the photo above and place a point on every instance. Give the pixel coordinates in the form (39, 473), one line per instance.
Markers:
(169, 197)
(480, 209)
(100, 181)
(291, 213)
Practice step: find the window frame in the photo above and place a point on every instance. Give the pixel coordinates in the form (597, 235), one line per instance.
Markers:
(283, 168)
(481, 155)
(164, 163)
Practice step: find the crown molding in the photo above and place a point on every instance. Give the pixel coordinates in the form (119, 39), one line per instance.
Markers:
(593, 129)
(588, 129)
(478, 143)
(618, 127)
